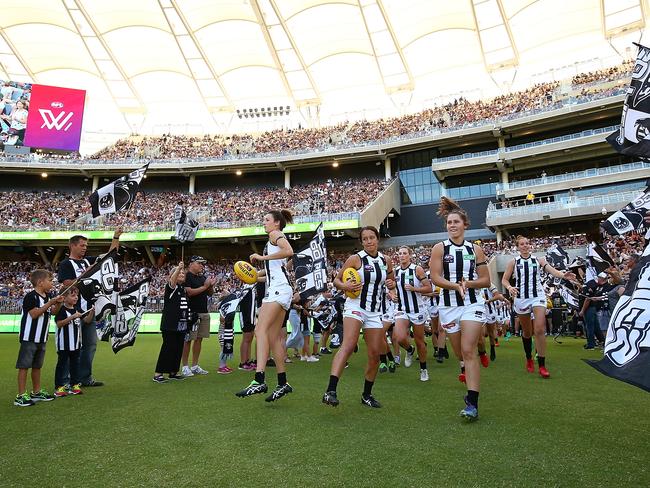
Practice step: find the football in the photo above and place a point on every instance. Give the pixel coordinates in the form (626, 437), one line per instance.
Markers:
(245, 272)
(351, 274)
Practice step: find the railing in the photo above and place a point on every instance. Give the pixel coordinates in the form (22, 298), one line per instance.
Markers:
(588, 173)
(481, 154)
(562, 203)
(568, 137)
(323, 150)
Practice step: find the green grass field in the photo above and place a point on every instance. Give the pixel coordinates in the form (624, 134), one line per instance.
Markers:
(579, 428)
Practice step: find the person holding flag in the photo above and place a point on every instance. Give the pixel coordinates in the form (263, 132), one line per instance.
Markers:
(70, 269)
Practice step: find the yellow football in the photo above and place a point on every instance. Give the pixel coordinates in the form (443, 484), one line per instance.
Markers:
(246, 272)
(351, 274)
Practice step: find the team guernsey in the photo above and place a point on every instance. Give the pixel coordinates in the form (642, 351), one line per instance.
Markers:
(34, 330)
(68, 337)
(530, 292)
(278, 286)
(459, 264)
(367, 308)
(410, 304)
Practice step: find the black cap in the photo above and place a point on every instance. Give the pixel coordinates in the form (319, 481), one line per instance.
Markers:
(197, 259)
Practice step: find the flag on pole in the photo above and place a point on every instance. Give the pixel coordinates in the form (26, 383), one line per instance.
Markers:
(627, 345)
(128, 315)
(557, 257)
(186, 228)
(97, 285)
(117, 195)
(569, 296)
(629, 218)
(310, 266)
(633, 137)
(597, 261)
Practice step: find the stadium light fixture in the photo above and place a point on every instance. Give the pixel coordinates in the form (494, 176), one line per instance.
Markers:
(335, 164)
(238, 172)
(43, 174)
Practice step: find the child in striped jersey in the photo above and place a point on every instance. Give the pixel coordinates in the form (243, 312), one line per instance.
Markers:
(68, 344)
(34, 325)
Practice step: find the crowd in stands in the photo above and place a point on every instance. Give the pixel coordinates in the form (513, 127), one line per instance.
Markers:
(14, 104)
(458, 113)
(216, 208)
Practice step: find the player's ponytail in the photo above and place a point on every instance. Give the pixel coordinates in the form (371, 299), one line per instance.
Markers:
(448, 206)
(284, 217)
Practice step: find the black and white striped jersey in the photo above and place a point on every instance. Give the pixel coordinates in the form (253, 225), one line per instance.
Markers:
(459, 264)
(408, 301)
(68, 337)
(373, 271)
(527, 278)
(387, 305)
(491, 306)
(34, 330)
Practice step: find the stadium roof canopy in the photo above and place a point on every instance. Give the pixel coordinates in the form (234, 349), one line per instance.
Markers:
(188, 65)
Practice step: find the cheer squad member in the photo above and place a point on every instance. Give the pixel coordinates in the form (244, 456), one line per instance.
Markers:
(411, 282)
(275, 305)
(530, 298)
(362, 312)
(459, 268)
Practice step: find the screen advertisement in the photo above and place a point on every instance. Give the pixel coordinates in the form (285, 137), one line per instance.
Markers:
(55, 118)
(14, 106)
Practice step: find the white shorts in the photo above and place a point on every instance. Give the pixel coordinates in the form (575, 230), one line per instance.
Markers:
(282, 294)
(490, 317)
(418, 318)
(370, 320)
(433, 311)
(451, 317)
(388, 317)
(523, 306)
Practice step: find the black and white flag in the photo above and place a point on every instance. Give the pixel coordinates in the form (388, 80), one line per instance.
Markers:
(633, 137)
(97, 285)
(128, 315)
(598, 260)
(117, 195)
(569, 296)
(186, 228)
(627, 345)
(230, 303)
(629, 218)
(310, 266)
(557, 257)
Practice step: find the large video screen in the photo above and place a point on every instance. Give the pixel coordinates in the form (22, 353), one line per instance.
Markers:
(41, 116)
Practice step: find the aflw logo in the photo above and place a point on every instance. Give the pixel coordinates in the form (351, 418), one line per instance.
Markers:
(56, 122)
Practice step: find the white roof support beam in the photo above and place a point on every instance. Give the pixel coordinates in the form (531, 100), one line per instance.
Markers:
(12, 62)
(205, 76)
(266, 24)
(119, 85)
(391, 62)
(622, 16)
(494, 35)
(304, 82)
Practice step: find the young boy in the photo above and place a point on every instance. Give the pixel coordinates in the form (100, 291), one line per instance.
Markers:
(68, 344)
(33, 337)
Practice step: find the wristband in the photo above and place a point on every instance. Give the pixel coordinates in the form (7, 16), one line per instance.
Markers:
(116, 237)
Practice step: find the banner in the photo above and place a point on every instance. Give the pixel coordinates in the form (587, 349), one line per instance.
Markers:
(97, 284)
(130, 309)
(627, 345)
(310, 266)
(557, 257)
(629, 218)
(186, 228)
(633, 137)
(117, 195)
(55, 118)
(230, 303)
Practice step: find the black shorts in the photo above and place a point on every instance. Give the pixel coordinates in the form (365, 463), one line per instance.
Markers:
(247, 311)
(317, 327)
(31, 355)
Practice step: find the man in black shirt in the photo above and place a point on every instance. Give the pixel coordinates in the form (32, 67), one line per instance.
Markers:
(69, 270)
(198, 289)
